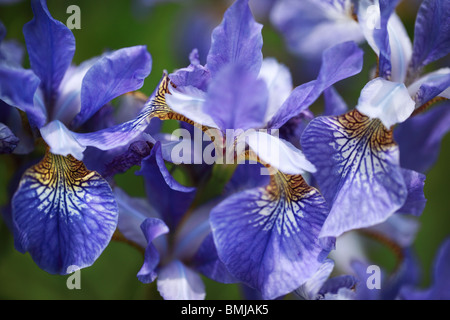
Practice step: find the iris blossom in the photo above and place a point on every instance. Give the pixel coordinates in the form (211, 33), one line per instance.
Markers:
(267, 236)
(64, 214)
(177, 239)
(357, 159)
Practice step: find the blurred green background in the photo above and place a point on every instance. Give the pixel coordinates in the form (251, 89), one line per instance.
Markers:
(116, 24)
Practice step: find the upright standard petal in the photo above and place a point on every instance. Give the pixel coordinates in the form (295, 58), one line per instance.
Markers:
(65, 215)
(358, 170)
(431, 33)
(51, 46)
(236, 99)
(279, 84)
(119, 72)
(267, 237)
(236, 40)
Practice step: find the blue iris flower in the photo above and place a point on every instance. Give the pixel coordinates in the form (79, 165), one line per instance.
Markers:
(357, 158)
(266, 236)
(176, 237)
(62, 213)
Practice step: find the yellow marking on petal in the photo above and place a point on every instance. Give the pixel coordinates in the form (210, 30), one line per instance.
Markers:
(287, 186)
(54, 168)
(358, 126)
(161, 110)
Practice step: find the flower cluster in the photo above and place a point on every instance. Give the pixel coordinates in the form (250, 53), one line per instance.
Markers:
(278, 196)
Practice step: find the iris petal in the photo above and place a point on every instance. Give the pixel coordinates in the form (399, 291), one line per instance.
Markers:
(386, 100)
(8, 141)
(431, 33)
(51, 46)
(358, 170)
(268, 237)
(18, 88)
(152, 229)
(114, 74)
(179, 282)
(236, 40)
(64, 214)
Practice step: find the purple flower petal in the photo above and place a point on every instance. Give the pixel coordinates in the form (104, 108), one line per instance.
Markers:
(165, 194)
(237, 40)
(310, 289)
(2, 31)
(64, 214)
(431, 85)
(268, 237)
(236, 99)
(419, 138)
(61, 140)
(8, 141)
(415, 201)
(208, 263)
(357, 163)
(338, 62)
(431, 33)
(119, 72)
(311, 26)
(122, 134)
(152, 229)
(12, 51)
(18, 88)
(178, 282)
(385, 100)
(334, 104)
(51, 46)
(132, 213)
(400, 229)
(194, 75)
